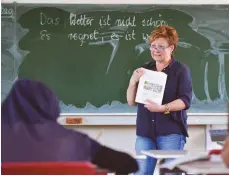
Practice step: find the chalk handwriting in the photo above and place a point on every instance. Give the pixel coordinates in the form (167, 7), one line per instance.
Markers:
(145, 36)
(130, 21)
(119, 28)
(105, 21)
(83, 37)
(153, 23)
(45, 35)
(44, 19)
(114, 36)
(83, 20)
(7, 12)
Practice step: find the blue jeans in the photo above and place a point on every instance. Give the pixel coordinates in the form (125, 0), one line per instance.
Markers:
(169, 142)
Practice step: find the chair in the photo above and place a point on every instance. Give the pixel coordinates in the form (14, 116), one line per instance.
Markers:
(50, 168)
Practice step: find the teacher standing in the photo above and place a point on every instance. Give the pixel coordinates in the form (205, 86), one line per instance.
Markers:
(162, 127)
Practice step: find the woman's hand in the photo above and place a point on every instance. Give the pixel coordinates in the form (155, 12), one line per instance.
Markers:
(154, 107)
(136, 76)
(225, 152)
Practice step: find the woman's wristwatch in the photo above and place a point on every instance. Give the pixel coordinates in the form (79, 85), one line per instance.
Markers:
(167, 110)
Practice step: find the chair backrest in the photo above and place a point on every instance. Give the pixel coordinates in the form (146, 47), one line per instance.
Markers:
(50, 168)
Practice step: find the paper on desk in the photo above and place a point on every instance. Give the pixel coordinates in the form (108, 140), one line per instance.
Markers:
(151, 86)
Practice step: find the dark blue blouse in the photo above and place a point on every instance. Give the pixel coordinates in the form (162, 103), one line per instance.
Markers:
(178, 86)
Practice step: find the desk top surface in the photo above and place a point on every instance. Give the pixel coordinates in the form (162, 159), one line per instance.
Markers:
(163, 154)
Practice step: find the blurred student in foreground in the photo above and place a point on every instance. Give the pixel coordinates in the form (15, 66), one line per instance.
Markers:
(30, 132)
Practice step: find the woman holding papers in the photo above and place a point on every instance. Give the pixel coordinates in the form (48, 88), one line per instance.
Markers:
(161, 126)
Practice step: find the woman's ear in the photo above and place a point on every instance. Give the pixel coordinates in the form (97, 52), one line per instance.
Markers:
(172, 48)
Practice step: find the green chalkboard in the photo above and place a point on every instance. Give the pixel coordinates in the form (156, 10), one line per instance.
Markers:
(87, 53)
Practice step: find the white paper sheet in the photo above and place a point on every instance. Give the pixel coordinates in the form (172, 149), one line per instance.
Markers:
(151, 86)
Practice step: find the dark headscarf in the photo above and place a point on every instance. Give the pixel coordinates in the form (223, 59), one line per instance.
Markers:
(29, 102)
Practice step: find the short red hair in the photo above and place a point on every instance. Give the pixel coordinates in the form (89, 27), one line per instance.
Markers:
(167, 32)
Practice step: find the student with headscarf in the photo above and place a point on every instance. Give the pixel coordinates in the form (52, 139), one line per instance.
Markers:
(30, 132)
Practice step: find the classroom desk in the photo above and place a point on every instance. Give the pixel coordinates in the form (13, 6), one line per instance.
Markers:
(165, 154)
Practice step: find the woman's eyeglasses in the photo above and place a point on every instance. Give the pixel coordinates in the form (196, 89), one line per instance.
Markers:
(158, 47)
